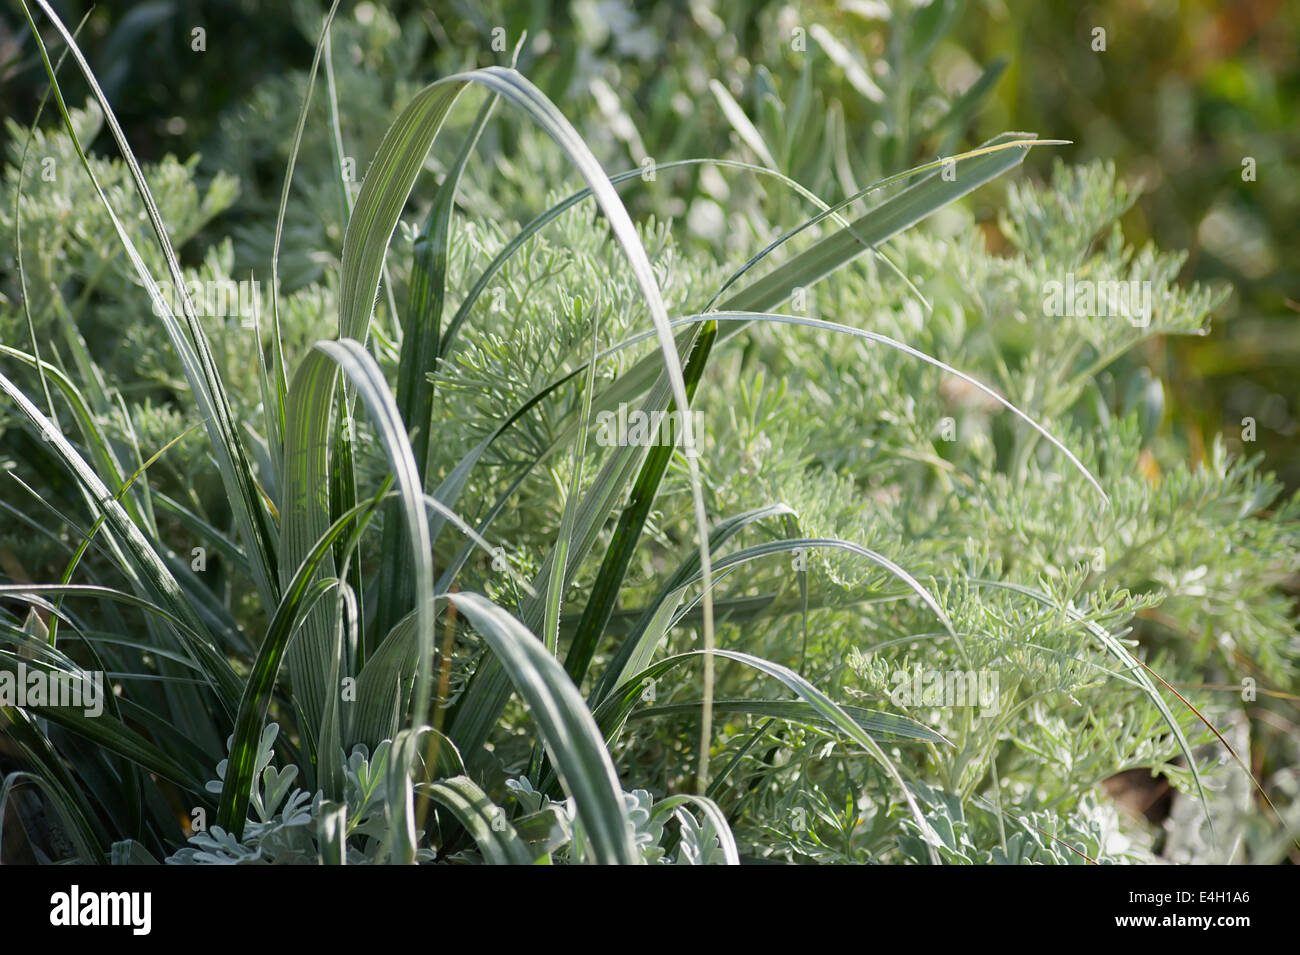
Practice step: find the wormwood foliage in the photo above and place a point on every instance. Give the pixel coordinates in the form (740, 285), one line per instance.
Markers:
(1184, 560)
(411, 611)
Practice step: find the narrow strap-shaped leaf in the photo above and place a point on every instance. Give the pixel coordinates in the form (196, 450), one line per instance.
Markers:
(723, 531)
(154, 576)
(343, 495)
(52, 778)
(384, 685)
(736, 319)
(107, 731)
(304, 519)
(303, 590)
(932, 192)
(614, 711)
(485, 821)
(189, 341)
(421, 346)
(566, 727)
(711, 810)
(361, 369)
(631, 522)
(392, 176)
(882, 726)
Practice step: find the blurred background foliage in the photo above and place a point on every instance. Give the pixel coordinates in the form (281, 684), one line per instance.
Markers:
(1194, 99)
(1185, 94)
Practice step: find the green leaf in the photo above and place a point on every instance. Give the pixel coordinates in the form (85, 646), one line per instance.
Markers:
(302, 592)
(970, 170)
(485, 821)
(745, 129)
(388, 183)
(106, 730)
(146, 568)
(190, 341)
(885, 727)
(627, 533)
(711, 811)
(638, 646)
(568, 732)
(421, 346)
(615, 709)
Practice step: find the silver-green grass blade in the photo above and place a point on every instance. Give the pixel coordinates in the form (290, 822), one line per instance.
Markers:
(567, 729)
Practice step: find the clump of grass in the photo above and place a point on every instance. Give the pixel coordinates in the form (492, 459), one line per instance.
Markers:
(376, 678)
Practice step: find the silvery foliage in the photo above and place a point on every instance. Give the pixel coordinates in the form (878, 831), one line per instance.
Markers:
(972, 833)
(698, 844)
(284, 827)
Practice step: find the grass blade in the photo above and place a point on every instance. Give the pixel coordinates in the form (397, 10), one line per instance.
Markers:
(189, 342)
(566, 727)
(484, 820)
(885, 727)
